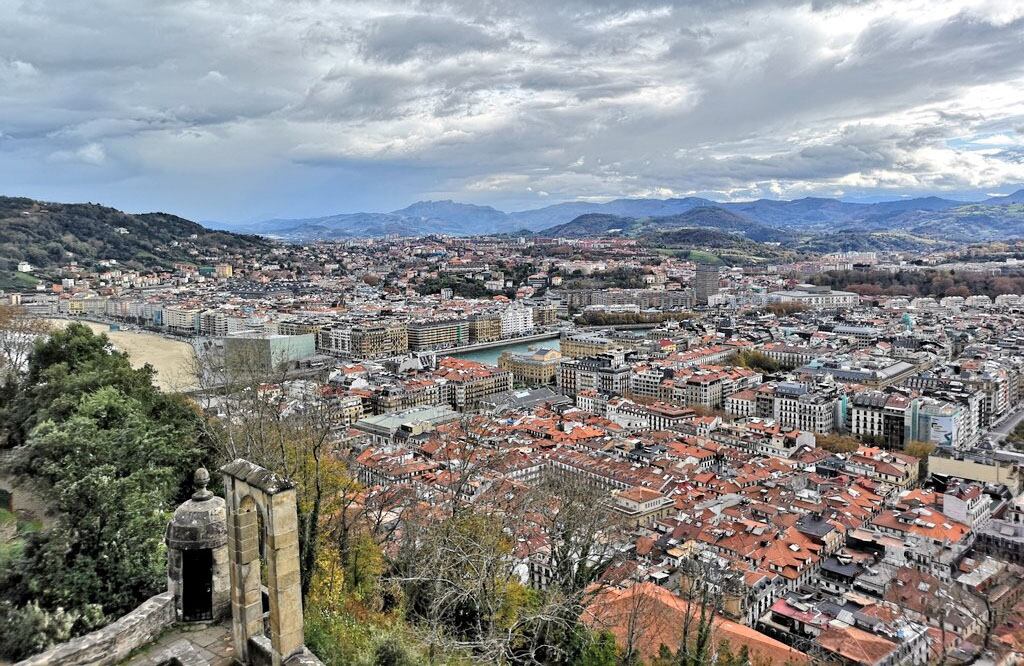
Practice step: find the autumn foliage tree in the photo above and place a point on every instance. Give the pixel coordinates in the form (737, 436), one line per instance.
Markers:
(837, 443)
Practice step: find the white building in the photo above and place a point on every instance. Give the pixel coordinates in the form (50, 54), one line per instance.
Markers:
(815, 297)
(182, 320)
(516, 319)
(966, 503)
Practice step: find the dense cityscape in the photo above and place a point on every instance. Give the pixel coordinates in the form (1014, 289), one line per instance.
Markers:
(512, 333)
(844, 467)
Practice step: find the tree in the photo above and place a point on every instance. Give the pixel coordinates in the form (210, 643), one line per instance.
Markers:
(107, 547)
(112, 456)
(755, 360)
(31, 629)
(70, 363)
(458, 571)
(18, 334)
(599, 649)
(785, 308)
(837, 443)
(260, 412)
(921, 451)
(584, 538)
(638, 623)
(706, 592)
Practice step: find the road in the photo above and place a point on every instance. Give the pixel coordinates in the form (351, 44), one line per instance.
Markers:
(1006, 425)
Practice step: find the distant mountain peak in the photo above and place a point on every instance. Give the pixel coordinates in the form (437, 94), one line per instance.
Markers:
(446, 204)
(1012, 198)
(446, 216)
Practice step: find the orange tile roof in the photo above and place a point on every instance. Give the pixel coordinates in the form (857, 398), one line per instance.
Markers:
(660, 615)
(855, 645)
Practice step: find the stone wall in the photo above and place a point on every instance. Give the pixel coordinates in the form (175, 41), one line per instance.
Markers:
(114, 642)
(262, 654)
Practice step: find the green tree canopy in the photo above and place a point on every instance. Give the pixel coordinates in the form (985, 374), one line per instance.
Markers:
(112, 456)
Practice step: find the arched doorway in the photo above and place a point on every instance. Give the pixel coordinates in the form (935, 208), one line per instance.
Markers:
(255, 495)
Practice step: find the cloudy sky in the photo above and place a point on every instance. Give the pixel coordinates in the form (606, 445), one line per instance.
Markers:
(247, 110)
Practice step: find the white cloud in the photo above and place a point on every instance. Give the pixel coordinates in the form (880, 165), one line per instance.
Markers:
(213, 76)
(16, 69)
(507, 101)
(91, 153)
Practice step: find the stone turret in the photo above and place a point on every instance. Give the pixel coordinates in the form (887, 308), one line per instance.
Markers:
(197, 556)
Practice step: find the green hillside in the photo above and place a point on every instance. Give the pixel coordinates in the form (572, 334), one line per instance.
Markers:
(712, 245)
(49, 235)
(704, 217)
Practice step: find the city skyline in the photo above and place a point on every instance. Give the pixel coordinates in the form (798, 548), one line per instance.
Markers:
(512, 332)
(305, 109)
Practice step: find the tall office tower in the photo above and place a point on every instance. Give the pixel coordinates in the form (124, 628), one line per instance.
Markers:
(705, 283)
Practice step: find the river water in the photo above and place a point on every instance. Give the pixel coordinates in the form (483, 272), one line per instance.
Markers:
(490, 356)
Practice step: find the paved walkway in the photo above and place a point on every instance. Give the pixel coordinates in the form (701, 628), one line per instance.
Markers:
(195, 645)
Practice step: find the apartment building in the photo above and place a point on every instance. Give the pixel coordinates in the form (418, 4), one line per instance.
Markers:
(334, 340)
(342, 410)
(630, 415)
(218, 323)
(545, 314)
(792, 356)
(646, 381)
(438, 334)
(797, 406)
(707, 386)
(418, 392)
(766, 437)
(303, 326)
(702, 355)
(881, 416)
(182, 320)
(379, 340)
(606, 373)
(466, 383)
(967, 503)
(516, 319)
(642, 506)
(583, 345)
(485, 327)
(705, 283)
(994, 388)
(941, 423)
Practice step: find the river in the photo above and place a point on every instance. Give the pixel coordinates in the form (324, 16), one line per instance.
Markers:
(490, 356)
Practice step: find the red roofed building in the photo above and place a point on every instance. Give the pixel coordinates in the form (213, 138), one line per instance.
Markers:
(467, 382)
(644, 617)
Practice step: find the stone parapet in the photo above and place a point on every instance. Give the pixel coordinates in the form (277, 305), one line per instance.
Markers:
(114, 642)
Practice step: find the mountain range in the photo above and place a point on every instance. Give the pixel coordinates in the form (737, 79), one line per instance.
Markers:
(763, 220)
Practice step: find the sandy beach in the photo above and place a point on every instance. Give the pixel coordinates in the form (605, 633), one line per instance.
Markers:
(172, 359)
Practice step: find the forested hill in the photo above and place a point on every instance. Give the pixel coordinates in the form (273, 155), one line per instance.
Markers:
(704, 217)
(48, 235)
